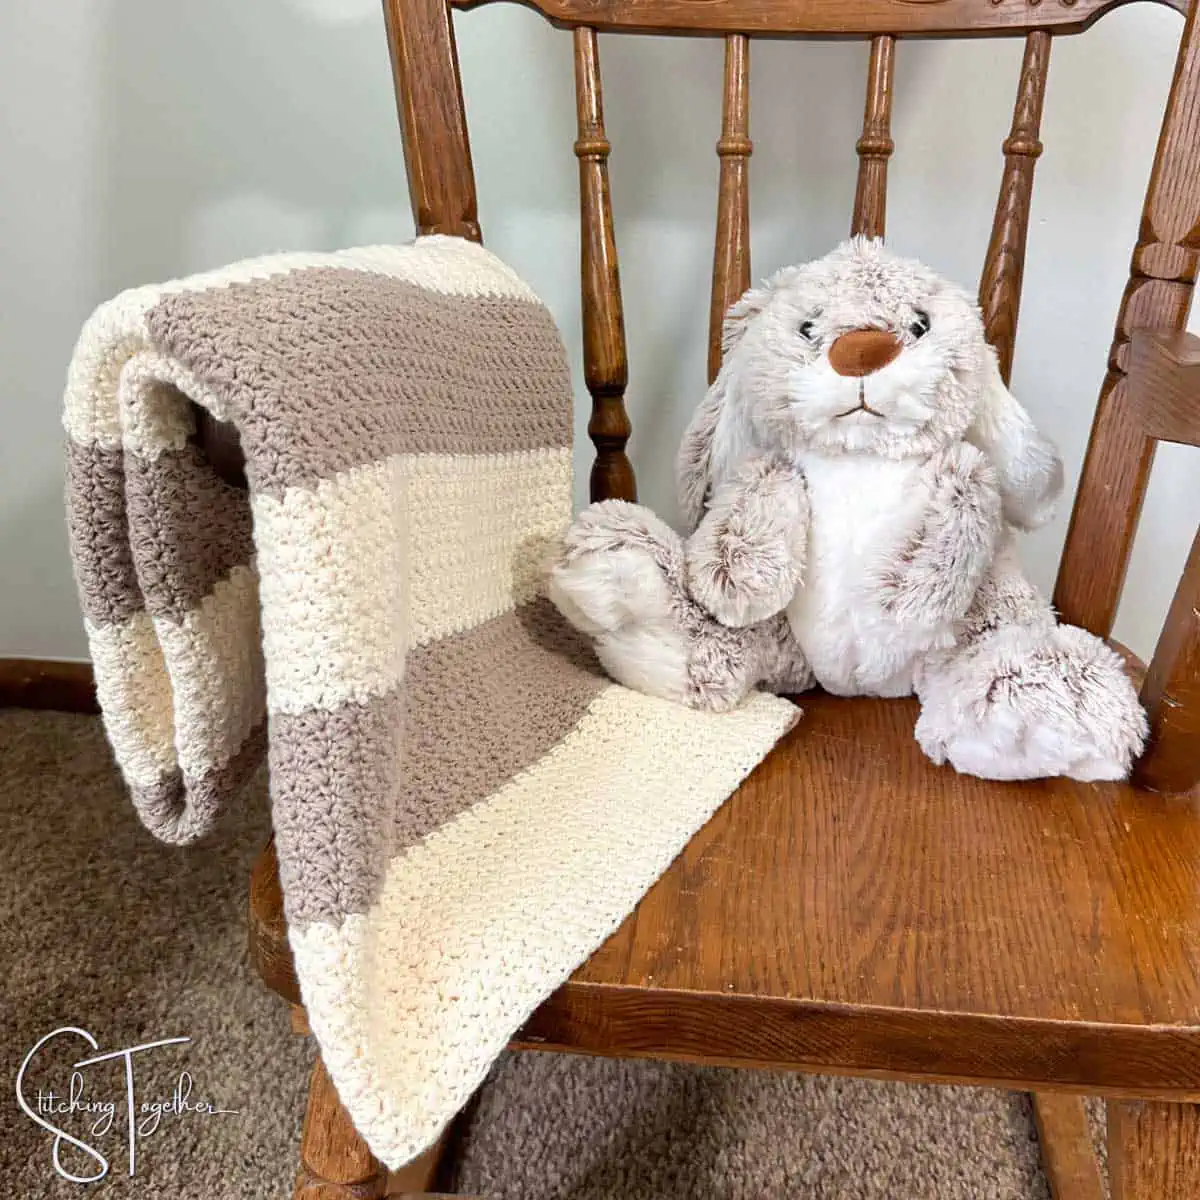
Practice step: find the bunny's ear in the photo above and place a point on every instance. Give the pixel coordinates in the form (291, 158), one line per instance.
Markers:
(1028, 465)
(718, 437)
(740, 313)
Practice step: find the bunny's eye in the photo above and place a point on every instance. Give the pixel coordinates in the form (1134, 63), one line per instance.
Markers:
(920, 327)
(808, 332)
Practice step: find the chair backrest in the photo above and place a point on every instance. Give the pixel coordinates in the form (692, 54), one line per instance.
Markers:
(1162, 274)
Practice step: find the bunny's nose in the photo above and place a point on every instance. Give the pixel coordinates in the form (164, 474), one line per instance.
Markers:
(863, 351)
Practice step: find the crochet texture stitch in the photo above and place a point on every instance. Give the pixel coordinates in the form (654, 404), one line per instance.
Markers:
(464, 806)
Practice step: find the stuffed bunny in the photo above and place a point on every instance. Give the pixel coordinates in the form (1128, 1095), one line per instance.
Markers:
(852, 483)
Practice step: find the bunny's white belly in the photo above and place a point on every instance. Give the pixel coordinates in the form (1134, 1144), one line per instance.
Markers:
(862, 511)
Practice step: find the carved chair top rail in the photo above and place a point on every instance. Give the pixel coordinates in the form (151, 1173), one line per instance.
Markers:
(827, 18)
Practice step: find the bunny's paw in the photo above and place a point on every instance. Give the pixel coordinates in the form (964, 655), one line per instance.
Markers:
(619, 577)
(933, 574)
(745, 560)
(1027, 702)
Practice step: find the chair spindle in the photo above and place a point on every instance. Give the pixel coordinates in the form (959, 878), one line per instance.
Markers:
(1162, 276)
(604, 360)
(875, 146)
(433, 122)
(731, 256)
(1004, 267)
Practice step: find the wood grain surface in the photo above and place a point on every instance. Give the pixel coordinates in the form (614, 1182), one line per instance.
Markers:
(270, 953)
(855, 908)
(605, 368)
(335, 1162)
(1164, 376)
(47, 683)
(1065, 1138)
(929, 18)
(1116, 468)
(1163, 389)
(731, 252)
(1153, 1151)
(433, 122)
(875, 146)
(1171, 693)
(1004, 264)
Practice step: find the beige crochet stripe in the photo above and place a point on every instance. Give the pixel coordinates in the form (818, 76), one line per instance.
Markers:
(163, 687)
(179, 808)
(169, 518)
(99, 533)
(383, 774)
(414, 372)
(116, 331)
(191, 529)
(493, 910)
(358, 570)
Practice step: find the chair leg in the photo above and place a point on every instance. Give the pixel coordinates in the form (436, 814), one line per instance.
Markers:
(1153, 1150)
(1066, 1141)
(335, 1163)
(424, 1174)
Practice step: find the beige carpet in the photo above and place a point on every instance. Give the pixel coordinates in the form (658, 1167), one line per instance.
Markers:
(102, 928)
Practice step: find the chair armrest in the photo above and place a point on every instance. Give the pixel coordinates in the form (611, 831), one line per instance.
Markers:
(1164, 377)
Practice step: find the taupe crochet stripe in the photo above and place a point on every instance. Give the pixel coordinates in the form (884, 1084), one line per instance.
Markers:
(473, 711)
(179, 809)
(188, 528)
(327, 369)
(109, 592)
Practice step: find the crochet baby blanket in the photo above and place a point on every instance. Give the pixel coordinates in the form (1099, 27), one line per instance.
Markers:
(464, 805)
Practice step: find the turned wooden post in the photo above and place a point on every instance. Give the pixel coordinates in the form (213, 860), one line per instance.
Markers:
(604, 361)
(731, 253)
(875, 146)
(335, 1162)
(1004, 267)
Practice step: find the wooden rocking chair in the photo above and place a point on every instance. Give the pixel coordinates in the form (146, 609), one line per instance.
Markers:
(854, 909)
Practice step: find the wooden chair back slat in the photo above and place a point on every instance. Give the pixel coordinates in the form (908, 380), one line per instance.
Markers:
(433, 121)
(1004, 266)
(731, 256)
(875, 146)
(604, 359)
(825, 18)
(1116, 468)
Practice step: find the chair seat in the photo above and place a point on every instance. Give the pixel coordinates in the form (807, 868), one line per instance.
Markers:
(854, 908)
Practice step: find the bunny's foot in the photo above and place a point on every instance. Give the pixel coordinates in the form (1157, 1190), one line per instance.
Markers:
(1029, 701)
(621, 578)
